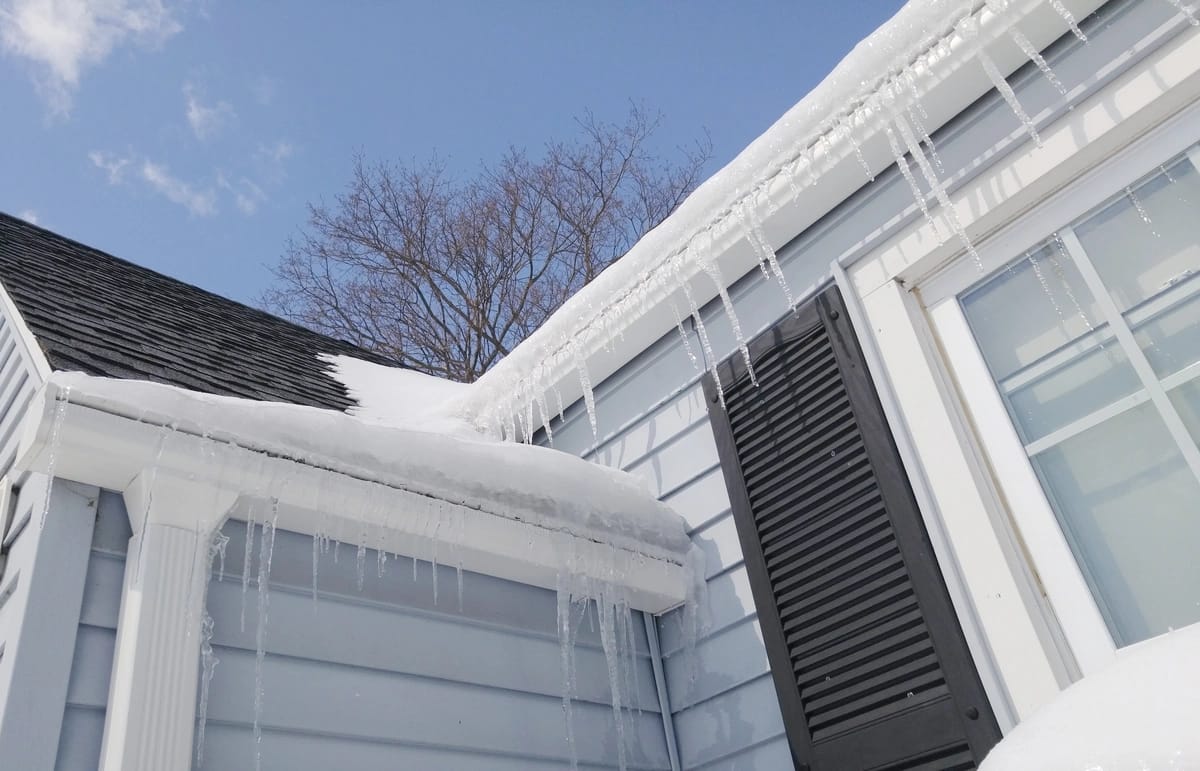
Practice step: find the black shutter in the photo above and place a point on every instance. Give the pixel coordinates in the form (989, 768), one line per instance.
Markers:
(868, 658)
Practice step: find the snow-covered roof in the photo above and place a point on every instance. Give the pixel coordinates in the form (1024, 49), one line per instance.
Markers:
(1142, 713)
(767, 194)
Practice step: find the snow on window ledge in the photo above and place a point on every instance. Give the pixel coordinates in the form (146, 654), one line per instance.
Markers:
(519, 512)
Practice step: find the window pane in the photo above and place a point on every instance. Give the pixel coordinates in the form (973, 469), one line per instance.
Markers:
(1149, 239)
(1171, 338)
(1187, 401)
(1131, 510)
(1039, 330)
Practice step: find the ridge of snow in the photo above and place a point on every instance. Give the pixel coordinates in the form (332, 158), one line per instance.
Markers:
(1141, 713)
(534, 484)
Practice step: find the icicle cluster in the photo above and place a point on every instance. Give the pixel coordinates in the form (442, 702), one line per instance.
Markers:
(888, 101)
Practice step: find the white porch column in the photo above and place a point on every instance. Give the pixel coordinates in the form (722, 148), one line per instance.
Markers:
(152, 697)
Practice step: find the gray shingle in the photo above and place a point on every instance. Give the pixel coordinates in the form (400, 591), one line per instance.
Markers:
(95, 313)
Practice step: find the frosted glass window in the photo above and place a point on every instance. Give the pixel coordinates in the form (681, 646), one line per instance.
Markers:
(1093, 340)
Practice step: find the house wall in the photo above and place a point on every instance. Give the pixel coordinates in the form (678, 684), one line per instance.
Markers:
(387, 677)
(652, 422)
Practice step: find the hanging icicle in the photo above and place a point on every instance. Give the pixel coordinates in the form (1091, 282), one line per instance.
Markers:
(60, 415)
(585, 383)
(948, 210)
(1009, 95)
(683, 335)
(753, 229)
(1069, 18)
(906, 172)
(260, 633)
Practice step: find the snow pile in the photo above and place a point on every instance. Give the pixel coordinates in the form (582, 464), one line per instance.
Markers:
(529, 483)
(401, 398)
(1142, 713)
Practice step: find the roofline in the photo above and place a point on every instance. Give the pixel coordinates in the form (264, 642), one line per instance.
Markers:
(627, 307)
(64, 428)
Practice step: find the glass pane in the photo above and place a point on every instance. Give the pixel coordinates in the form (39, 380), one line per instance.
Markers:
(1038, 328)
(1171, 337)
(1131, 510)
(1187, 401)
(1149, 239)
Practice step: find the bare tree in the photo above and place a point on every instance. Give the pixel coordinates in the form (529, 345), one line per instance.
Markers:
(446, 276)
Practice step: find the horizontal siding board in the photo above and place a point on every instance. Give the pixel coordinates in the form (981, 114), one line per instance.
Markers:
(387, 673)
(771, 755)
(371, 706)
(718, 540)
(657, 429)
(720, 663)
(229, 746)
(92, 667)
(391, 640)
(80, 740)
(723, 726)
(674, 465)
(728, 602)
(102, 590)
(702, 500)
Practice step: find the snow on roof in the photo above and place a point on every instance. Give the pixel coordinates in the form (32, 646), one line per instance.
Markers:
(533, 484)
(895, 66)
(400, 398)
(1140, 713)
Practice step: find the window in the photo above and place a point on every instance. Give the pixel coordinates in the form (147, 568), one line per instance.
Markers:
(1092, 339)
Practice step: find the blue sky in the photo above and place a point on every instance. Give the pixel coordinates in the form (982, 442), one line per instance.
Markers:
(189, 137)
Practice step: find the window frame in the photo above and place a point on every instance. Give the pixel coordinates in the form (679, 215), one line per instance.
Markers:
(939, 294)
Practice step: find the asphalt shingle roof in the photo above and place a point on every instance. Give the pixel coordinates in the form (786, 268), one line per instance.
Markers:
(102, 315)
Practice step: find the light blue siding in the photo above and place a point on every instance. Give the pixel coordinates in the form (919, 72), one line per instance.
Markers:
(87, 691)
(653, 420)
(387, 676)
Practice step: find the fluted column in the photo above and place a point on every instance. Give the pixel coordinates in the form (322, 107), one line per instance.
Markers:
(152, 698)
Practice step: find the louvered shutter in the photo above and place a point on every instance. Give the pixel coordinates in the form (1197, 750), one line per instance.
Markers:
(868, 658)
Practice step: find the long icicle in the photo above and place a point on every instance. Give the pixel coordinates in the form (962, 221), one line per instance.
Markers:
(585, 383)
(683, 335)
(758, 239)
(713, 271)
(260, 636)
(740, 212)
(1009, 95)
(906, 172)
(1069, 18)
(208, 659)
(948, 210)
(1031, 52)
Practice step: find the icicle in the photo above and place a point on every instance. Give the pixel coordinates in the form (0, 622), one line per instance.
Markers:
(1037, 271)
(316, 558)
(208, 659)
(1141, 210)
(566, 664)
(713, 271)
(906, 172)
(948, 210)
(540, 395)
(1009, 95)
(260, 637)
(1069, 18)
(1032, 53)
(60, 414)
(1186, 11)
(208, 665)
(927, 140)
(247, 558)
(608, 641)
(360, 563)
(683, 335)
(766, 255)
(858, 153)
(1061, 248)
(585, 382)
(710, 357)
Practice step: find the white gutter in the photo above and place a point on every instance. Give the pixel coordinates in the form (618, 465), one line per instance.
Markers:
(625, 309)
(98, 441)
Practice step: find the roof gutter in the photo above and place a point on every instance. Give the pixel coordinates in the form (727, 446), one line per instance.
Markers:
(77, 436)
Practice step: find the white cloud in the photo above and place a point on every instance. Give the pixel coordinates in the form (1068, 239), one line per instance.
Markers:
(246, 194)
(62, 38)
(206, 120)
(277, 152)
(111, 163)
(201, 203)
(29, 215)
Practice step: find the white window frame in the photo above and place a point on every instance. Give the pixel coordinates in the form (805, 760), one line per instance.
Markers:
(1067, 590)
